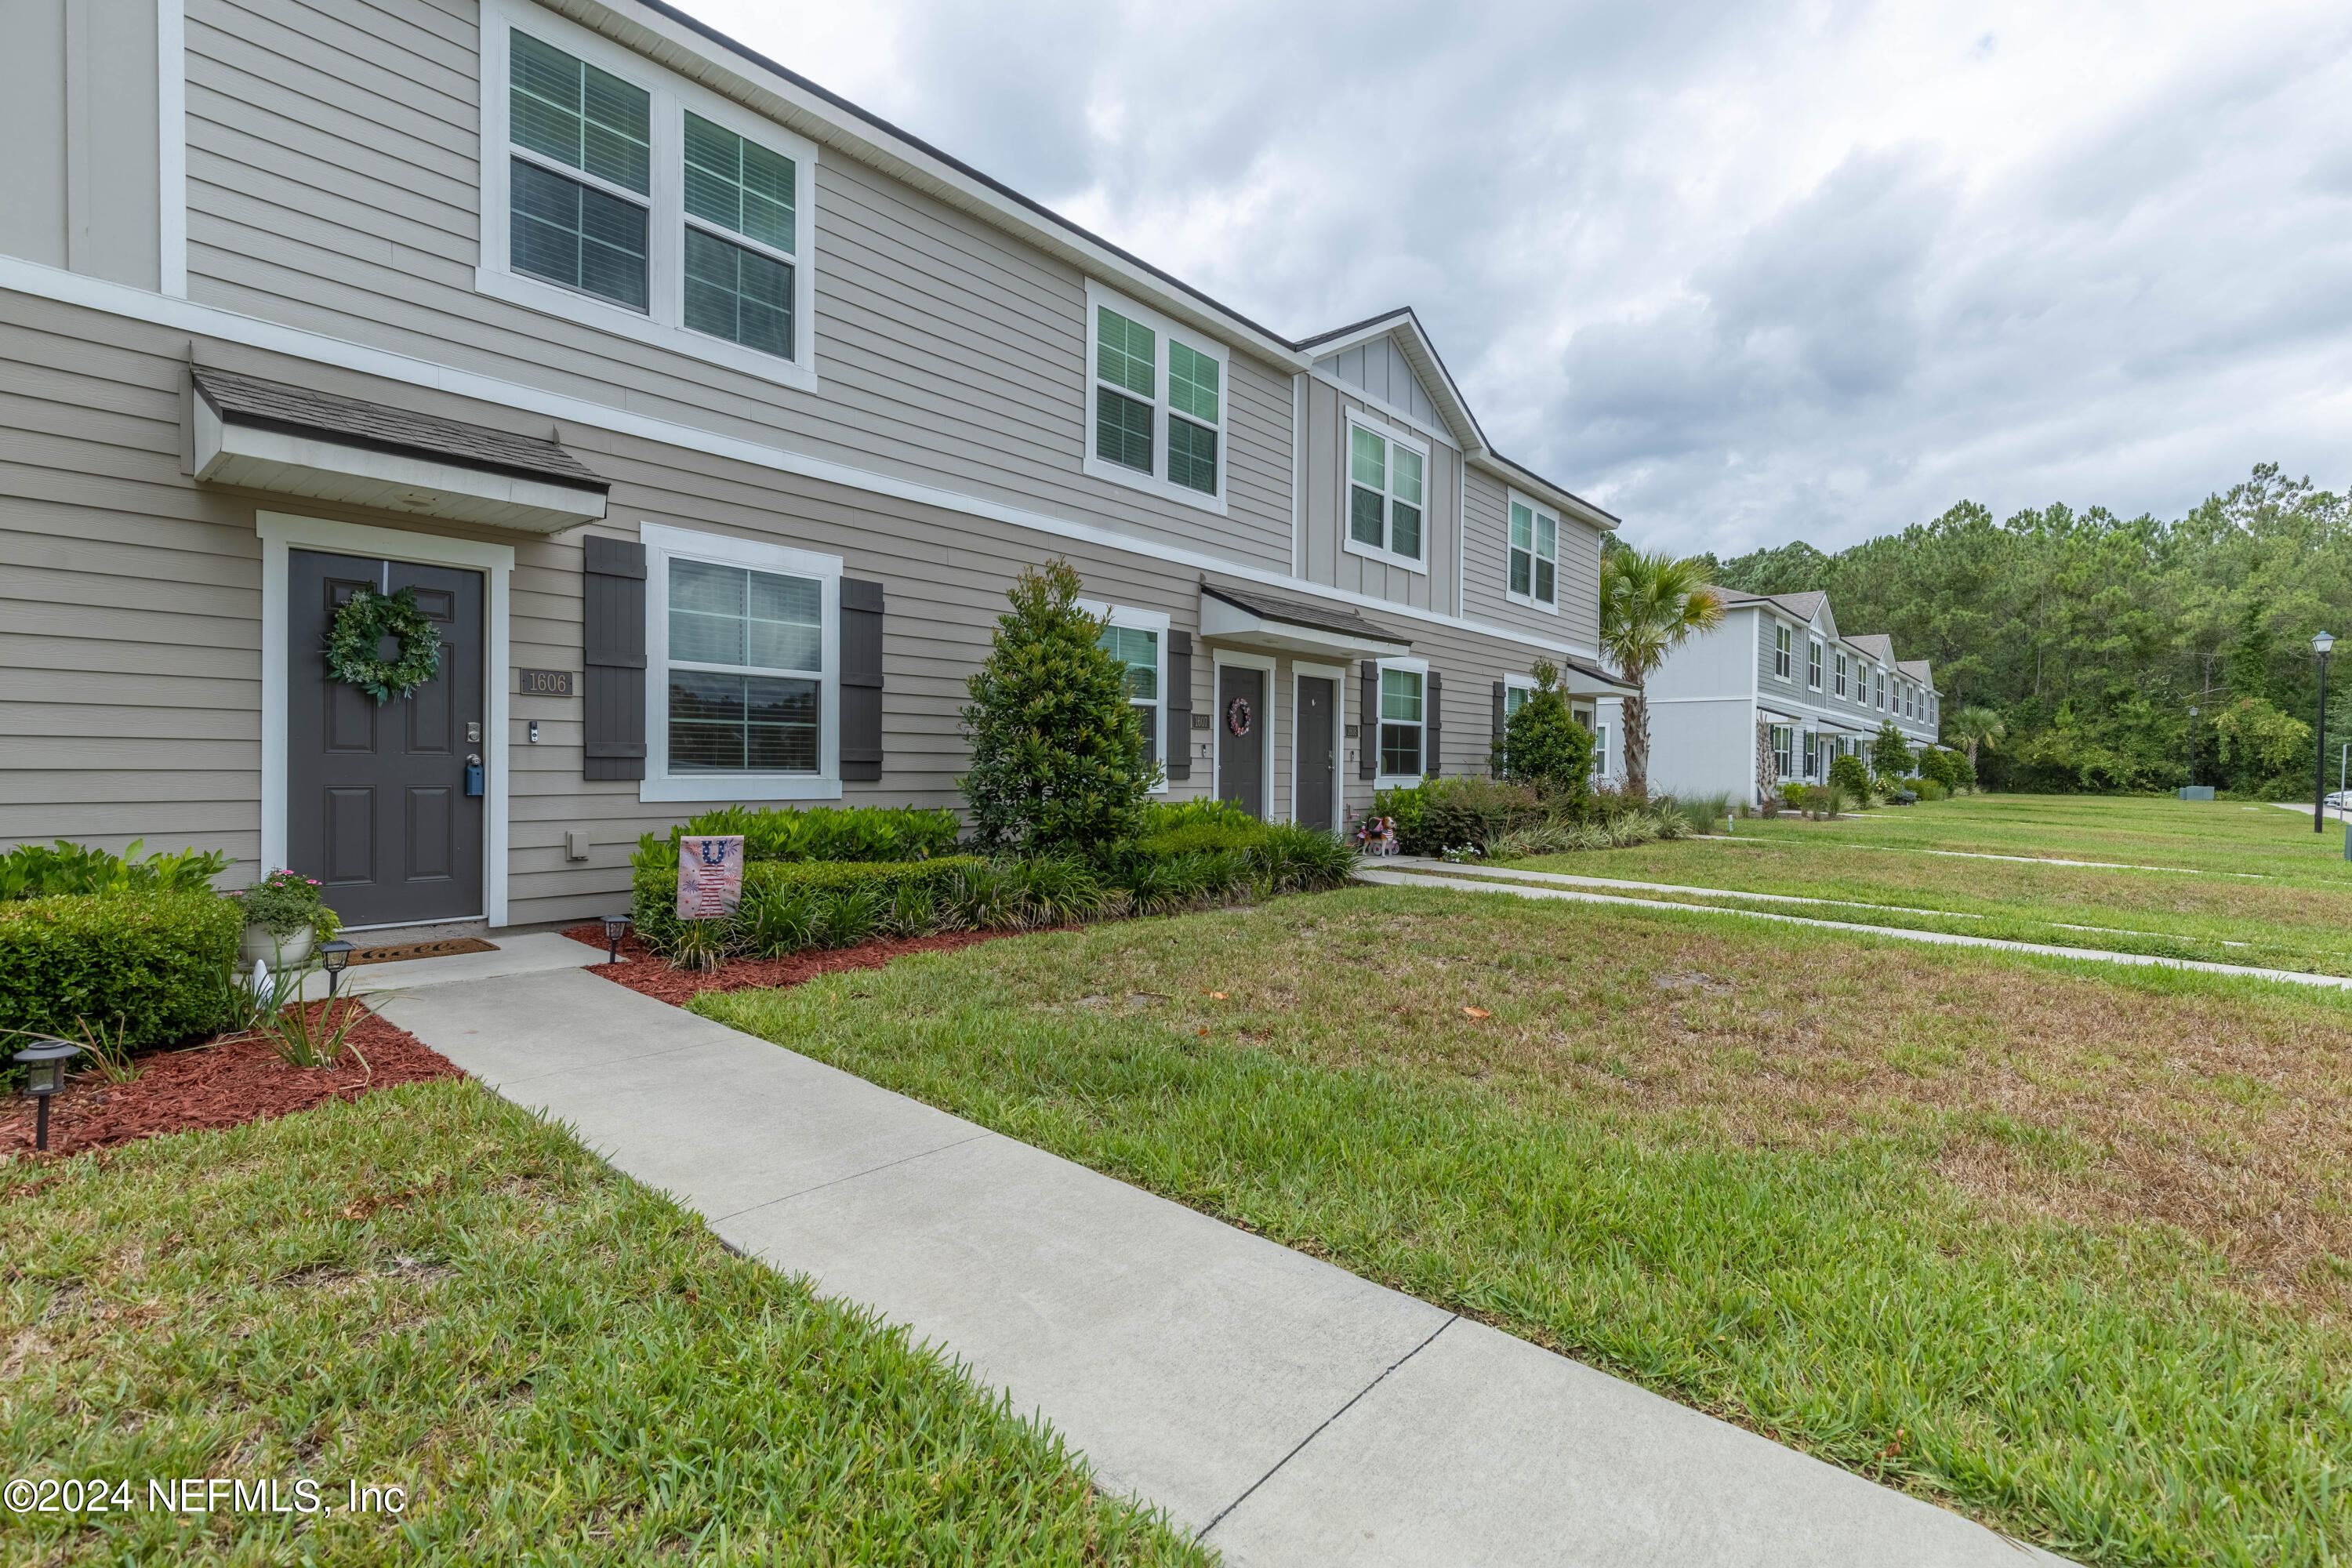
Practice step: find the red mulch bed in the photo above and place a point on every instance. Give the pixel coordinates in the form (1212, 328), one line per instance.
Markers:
(218, 1086)
(650, 975)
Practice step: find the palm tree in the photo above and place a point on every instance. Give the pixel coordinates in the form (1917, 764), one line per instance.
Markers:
(1649, 605)
(1977, 727)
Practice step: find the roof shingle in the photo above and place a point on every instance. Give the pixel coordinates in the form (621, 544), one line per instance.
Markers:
(301, 411)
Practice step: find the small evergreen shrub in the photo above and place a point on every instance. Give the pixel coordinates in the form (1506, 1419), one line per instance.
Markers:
(1890, 753)
(1059, 755)
(151, 964)
(1850, 774)
(1546, 749)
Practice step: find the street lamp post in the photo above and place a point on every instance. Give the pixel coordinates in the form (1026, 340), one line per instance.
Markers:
(2320, 645)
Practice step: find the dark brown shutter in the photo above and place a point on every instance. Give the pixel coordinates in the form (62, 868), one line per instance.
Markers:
(861, 681)
(1501, 726)
(612, 612)
(1178, 701)
(1367, 737)
(1434, 727)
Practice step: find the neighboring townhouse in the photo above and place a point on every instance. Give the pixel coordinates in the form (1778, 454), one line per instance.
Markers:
(1773, 696)
(709, 416)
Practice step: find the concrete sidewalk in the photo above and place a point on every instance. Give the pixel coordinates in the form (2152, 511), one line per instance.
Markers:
(1284, 1409)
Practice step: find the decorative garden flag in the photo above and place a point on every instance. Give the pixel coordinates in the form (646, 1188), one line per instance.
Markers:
(710, 876)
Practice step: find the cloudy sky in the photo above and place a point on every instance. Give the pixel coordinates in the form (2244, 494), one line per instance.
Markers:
(1741, 274)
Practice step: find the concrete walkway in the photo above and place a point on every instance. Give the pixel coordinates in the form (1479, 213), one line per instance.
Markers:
(1468, 880)
(1282, 1409)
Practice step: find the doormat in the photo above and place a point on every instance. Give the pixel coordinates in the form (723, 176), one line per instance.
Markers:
(407, 950)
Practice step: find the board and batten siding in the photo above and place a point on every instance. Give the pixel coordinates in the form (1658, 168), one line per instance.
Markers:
(333, 184)
(1486, 570)
(1327, 559)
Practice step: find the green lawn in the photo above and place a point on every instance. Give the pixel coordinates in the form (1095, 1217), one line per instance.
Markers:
(2066, 1247)
(430, 1289)
(2297, 914)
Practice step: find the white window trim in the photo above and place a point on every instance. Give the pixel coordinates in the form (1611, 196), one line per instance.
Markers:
(1529, 600)
(1814, 652)
(1515, 683)
(1783, 629)
(659, 785)
(1219, 660)
(663, 323)
(1370, 726)
(281, 532)
(1845, 670)
(1338, 677)
(1395, 437)
(1784, 770)
(1157, 482)
(1144, 621)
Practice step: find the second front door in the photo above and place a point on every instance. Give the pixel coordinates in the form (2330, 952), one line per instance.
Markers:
(1312, 734)
(1240, 737)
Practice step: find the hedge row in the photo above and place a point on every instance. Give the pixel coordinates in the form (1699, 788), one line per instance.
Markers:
(820, 833)
(788, 905)
(156, 964)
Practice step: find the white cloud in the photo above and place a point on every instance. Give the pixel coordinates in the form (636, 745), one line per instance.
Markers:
(1741, 274)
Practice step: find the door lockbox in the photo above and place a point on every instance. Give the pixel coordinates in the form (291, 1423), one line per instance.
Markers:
(474, 775)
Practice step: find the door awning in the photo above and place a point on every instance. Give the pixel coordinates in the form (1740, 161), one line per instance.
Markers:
(269, 435)
(1584, 677)
(1247, 618)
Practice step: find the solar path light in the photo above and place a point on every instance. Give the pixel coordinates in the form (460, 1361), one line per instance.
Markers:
(336, 957)
(44, 1062)
(615, 927)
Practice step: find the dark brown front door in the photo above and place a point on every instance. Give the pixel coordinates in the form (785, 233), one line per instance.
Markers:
(377, 805)
(1240, 737)
(1313, 733)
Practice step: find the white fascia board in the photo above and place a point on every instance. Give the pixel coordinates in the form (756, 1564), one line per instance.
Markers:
(320, 469)
(297, 342)
(1231, 623)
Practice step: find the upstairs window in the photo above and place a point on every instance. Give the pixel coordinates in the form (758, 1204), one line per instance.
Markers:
(1385, 495)
(1783, 661)
(1534, 555)
(1400, 722)
(1813, 668)
(584, 229)
(1841, 675)
(634, 202)
(1881, 682)
(1158, 404)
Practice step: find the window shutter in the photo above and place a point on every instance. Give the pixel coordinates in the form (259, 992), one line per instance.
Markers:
(1501, 725)
(861, 681)
(1178, 707)
(1368, 732)
(613, 615)
(1433, 725)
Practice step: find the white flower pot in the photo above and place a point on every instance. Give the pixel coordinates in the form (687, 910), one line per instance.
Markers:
(279, 951)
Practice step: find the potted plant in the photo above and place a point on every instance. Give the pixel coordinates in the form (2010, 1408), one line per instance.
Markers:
(283, 918)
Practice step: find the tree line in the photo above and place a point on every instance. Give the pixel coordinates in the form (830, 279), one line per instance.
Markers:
(2085, 640)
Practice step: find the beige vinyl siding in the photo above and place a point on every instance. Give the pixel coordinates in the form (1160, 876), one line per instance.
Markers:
(1486, 570)
(333, 184)
(1327, 559)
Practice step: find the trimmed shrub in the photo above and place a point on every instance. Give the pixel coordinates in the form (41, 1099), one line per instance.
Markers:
(1544, 748)
(155, 965)
(48, 871)
(1213, 857)
(1851, 775)
(819, 833)
(1059, 761)
(789, 904)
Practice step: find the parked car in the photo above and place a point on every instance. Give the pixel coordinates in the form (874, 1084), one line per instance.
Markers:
(2339, 800)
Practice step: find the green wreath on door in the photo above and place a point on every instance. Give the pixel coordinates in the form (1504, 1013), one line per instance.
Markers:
(359, 630)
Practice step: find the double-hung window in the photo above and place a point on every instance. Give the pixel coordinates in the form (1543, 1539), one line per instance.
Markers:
(743, 687)
(1784, 741)
(1600, 750)
(1400, 720)
(1841, 675)
(1387, 476)
(1156, 403)
(1516, 689)
(1880, 680)
(1138, 640)
(638, 203)
(1812, 755)
(1534, 555)
(1783, 661)
(1813, 666)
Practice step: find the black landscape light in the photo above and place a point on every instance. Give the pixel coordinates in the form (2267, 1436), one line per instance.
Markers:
(44, 1062)
(615, 927)
(2320, 645)
(336, 957)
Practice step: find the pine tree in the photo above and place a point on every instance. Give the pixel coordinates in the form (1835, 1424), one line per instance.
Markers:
(1058, 755)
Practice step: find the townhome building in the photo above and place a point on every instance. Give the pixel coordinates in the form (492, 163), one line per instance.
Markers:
(1773, 696)
(709, 419)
